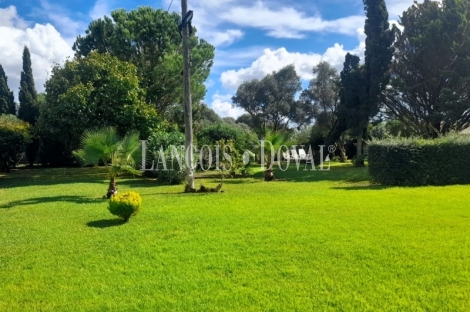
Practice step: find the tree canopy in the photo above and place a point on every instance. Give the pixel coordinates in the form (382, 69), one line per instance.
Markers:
(321, 98)
(150, 39)
(91, 92)
(270, 101)
(430, 84)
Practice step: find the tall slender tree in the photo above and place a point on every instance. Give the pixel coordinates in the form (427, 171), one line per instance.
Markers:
(7, 100)
(28, 110)
(374, 75)
(377, 59)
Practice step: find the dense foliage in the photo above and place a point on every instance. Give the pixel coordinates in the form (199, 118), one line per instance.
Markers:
(92, 92)
(430, 82)
(162, 153)
(150, 39)
(412, 162)
(15, 135)
(241, 137)
(7, 100)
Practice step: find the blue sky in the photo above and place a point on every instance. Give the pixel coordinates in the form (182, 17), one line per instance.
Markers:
(252, 38)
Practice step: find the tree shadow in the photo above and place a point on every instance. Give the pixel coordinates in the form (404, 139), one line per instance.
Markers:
(105, 223)
(345, 173)
(52, 199)
(361, 187)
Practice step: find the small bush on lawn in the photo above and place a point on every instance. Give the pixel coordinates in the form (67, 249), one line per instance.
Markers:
(414, 162)
(125, 205)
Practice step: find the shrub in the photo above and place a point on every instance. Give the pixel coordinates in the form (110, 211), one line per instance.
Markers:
(165, 139)
(241, 138)
(358, 161)
(125, 205)
(15, 134)
(414, 162)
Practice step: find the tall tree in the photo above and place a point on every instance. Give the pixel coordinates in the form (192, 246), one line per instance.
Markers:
(7, 99)
(271, 101)
(28, 110)
(321, 98)
(430, 82)
(150, 39)
(375, 72)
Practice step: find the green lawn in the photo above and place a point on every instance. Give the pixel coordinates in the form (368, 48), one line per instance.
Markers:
(312, 241)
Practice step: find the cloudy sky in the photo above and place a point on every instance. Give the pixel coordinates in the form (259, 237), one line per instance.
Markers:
(252, 38)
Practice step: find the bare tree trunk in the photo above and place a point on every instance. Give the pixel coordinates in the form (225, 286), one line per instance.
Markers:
(342, 151)
(359, 145)
(112, 190)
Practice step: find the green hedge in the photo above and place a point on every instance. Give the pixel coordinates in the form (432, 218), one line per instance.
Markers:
(414, 162)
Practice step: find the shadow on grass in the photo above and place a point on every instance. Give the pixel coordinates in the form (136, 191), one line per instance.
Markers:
(371, 187)
(105, 223)
(68, 175)
(346, 173)
(53, 199)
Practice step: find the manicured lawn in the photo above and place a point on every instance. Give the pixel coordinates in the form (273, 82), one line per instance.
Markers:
(314, 241)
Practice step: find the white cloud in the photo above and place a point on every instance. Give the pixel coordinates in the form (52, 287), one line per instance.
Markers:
(395, 8)
(46, 46)
(287, 22)
(222, 105)
(58, 16)
(214, 20)
(273, 60)
(9, 18)
(226, 37)
(101, 8)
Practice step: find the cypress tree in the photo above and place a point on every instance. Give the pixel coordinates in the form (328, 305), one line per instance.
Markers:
(378, 53)
(361, 102)
(7, 100)
(28, 110)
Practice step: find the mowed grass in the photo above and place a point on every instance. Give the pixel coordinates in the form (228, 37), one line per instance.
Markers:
(311, 241)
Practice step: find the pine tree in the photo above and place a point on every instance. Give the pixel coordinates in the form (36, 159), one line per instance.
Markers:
(7, 100)
(28, 110)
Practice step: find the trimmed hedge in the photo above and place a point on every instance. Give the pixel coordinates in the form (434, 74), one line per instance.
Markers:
(415, 162)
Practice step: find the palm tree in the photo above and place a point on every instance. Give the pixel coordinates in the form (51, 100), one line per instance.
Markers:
(277, 139)
(117, 154)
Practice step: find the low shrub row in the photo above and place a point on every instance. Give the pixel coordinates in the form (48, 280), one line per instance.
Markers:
(414, 162)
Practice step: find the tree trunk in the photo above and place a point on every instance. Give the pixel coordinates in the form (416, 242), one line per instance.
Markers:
(359, 146)
(112, 190)
(342, 151)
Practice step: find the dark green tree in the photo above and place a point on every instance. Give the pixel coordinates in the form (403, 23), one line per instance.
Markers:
(246, 119)
(150, 39)
(430, 86)
(28, 110)
(374, 75)
(7, 99)
(92, 92)
(271, 101)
